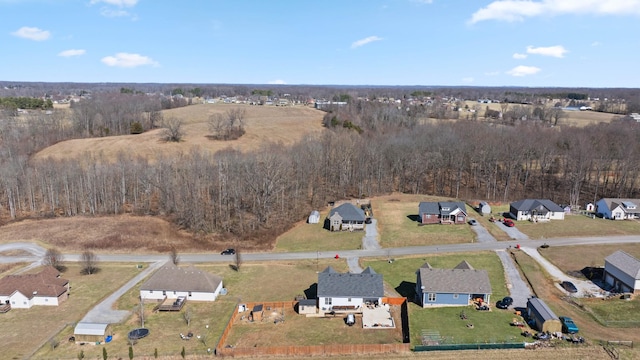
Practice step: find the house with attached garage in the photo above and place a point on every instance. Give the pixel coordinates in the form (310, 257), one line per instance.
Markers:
(460, 286)
(536, 210)
(187, 283)
(346, 217)
(622, 272)
(443, 212)
(340, 292)
(618, 209)
(26, 290)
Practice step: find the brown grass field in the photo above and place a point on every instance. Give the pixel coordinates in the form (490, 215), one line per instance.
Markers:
(284, 125)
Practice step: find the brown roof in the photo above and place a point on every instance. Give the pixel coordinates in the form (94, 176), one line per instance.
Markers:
(173, 278)
(45, 283)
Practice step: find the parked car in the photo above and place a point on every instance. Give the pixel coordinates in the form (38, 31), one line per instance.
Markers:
(504, 303)
(568, 326)
(568, 285)
(473, 222)
(350, 320)
(228, 252)
(508, 222)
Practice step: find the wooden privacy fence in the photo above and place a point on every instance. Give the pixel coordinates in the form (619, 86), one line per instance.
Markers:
(337, 349)
(316, 350)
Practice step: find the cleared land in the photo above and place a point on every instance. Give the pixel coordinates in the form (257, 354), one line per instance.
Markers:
(32, 328)
(280, 124)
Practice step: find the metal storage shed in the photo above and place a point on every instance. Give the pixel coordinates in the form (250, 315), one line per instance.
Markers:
(542, 316)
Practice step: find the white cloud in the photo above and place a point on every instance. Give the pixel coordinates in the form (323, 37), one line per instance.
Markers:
(596, 43)
(72, 52)
(518, 10)
(422, 1)
(106, 12)
(467, 80)
(554, 51)
(492, 73)
(523, 70)
(277, 82)
(119, 3)
(127, 60)
(519, 56)
(32, 33)
(365, 41)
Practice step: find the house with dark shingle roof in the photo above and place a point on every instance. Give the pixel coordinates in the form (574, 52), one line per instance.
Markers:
(26, 290)
(348, 291)
(622, 272)
(459, 286)
(536, 210)
(346, 217)
(443, 212)
(618, 209)
(171, 282)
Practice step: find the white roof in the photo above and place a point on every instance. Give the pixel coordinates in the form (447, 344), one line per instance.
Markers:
(90, 329)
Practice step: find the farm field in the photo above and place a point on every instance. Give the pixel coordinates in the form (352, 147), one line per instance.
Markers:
(284, 125)
(32, 328)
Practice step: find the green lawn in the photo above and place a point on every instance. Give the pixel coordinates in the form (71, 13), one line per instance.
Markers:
(313, 237)
(398, 224)
(578, 225)
(487, 326)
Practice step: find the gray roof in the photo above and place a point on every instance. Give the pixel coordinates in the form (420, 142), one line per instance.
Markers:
(441, 208)
(625, 262)
(367, 284)
(542, 309)
(612, 203)
(348, 211)
(83, 328)
(466, 281)
(307, 302)
(536, 204)
(173, 278)
(464, 265)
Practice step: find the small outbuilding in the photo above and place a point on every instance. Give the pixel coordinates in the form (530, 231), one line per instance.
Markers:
(484, 208)
(314, 217)
(257, 312)
(86, 332)
(307, 306)
(542, 317)
(622, 272)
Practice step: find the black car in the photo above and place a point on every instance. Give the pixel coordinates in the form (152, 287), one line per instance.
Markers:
(228, 252)
(568, 285)
(504, 303)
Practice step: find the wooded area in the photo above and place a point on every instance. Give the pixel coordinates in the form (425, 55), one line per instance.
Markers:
(263, 192)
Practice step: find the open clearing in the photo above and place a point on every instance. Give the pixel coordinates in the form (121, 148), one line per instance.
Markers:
(285, 125)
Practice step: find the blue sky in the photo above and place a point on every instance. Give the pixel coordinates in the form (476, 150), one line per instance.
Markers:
(572, 43)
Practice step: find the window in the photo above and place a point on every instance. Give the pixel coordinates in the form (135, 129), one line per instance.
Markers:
(327, 301)
(164, 292)
(189, 293)
(432, 297)
(349, 299)
(455, 296)
(45, 299)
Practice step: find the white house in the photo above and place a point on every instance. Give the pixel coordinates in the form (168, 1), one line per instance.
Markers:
(536, 210)
(622, 272)
(347, 291)
(24, 291)
(171, 282)
(618, 209)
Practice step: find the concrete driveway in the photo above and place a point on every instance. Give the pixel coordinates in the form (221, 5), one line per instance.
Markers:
(370, 239)
(513, 232)
(585, 288)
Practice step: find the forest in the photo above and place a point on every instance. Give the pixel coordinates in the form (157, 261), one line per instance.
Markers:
(256, 195)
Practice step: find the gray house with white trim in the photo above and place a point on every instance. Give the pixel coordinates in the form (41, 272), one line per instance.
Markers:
(346, 217)
(348, 291)
(536, 210)
(618, 209)
(622, 272)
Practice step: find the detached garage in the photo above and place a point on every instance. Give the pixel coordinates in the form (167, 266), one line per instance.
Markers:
(544, 319)
(90, 332)
(622, 272)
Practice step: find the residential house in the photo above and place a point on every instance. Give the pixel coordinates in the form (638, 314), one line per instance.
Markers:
(189, 283)
(618, 209)
(542, 317)
(346, 217)
(622, 272)
(348, 291)
(536, 210)
(444, 212)
(24, 291)
(459, 286)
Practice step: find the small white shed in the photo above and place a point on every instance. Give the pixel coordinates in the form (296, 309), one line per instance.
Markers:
(314, 217)
(484, 208)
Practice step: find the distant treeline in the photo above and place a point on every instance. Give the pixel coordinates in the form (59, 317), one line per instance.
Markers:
(14, 103)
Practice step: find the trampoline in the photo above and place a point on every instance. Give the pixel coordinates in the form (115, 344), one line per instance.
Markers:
(139, 333)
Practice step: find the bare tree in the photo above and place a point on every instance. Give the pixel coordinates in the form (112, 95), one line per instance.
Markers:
(172, 129)
(88, 261)
(227, 126)
(173, 255)
(53, 257)
(187, 315)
